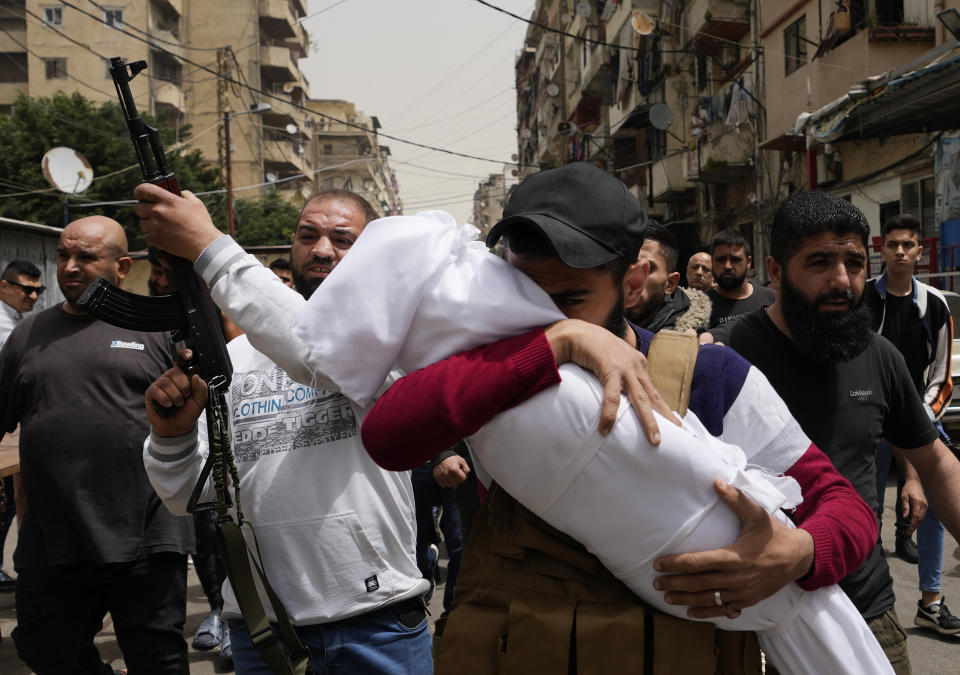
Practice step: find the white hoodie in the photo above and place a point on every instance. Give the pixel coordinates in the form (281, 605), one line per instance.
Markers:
(335, 532)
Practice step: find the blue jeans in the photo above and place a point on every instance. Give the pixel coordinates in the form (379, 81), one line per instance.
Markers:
(427, 494)
(376, 642)
(929, 531)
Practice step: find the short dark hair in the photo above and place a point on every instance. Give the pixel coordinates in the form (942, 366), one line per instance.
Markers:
(732, 238)
(669, 248)
(902, 221)
(280, 264)
(16, 268)
(337, 194)
(527, 241)
(807, 214)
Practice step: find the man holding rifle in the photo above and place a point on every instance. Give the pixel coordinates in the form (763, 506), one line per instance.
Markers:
(95, 537)
(335, 533)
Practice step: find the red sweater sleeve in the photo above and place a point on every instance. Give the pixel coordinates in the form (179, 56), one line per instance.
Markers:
(429, 410)
(843, 526)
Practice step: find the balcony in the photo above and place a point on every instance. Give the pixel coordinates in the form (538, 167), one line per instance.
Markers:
(281, 158)
(277, 64)
(721, 19)
(9, 39)
(278, 20)
(167, 40)
(10, 90)
(725, 156)
(669, 180)
(170, 95)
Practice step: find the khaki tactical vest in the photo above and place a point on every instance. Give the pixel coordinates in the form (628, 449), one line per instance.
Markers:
(530, 599)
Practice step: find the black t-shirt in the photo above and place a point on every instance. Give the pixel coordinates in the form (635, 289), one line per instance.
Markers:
(902, 326)
(845, 408)
(75, 385)
(725, 310)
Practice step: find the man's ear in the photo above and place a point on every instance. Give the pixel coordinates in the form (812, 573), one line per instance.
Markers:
(634, 282)
(749, 262)
(774, 271)
(123, 268)
(672, 280)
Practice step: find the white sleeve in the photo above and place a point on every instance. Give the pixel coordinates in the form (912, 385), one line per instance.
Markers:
(173, 466)
(261, 305)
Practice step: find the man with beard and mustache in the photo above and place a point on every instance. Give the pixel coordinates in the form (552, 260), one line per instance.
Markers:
(664, 305)
(95, 537)
(733, 296)
(915, 317)
(846, 386)
(335, 533)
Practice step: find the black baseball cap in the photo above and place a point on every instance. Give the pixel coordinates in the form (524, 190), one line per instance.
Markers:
(588, 216)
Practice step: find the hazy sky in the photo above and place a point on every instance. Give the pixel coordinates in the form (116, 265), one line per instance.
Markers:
(438, 72)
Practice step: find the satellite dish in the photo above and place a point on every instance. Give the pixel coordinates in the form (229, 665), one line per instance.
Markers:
(525, 133)
(67, 170)
(641, 23)
(584, 9)
(291, 128)
(271, 176)
(566, 17)
(514, 172)
(661, 116)
(553, 89)
(288, 87)
(514, 157)
(567, 128)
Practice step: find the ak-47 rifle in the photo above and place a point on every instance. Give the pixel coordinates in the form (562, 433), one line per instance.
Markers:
(193, 318)
(189, 313)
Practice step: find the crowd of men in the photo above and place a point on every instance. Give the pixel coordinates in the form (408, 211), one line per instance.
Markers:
(113, 440)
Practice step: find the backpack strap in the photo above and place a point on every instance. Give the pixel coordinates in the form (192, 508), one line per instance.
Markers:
(671, 361)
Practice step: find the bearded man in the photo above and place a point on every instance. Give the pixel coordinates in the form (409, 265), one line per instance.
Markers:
(847, 387)
(733, 296)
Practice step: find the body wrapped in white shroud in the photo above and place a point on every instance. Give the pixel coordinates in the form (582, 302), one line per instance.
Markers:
(417, 291)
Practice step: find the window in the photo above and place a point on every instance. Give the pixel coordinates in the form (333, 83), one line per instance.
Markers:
(53, 16)
(113, 16)
(918, 199)
(795, 45)
(56, 69)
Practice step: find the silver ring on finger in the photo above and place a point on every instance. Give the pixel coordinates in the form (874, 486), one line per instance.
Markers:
(716, 598)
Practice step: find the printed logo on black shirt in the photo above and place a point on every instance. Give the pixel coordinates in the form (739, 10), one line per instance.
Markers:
(861, 395)
(124, 344)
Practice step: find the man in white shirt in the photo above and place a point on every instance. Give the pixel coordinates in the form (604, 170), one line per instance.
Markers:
(19, 291)
(335, 532)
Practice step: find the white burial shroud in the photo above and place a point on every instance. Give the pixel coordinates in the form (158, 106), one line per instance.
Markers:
(414, 290)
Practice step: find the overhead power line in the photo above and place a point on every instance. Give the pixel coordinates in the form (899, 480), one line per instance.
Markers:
(273, 96)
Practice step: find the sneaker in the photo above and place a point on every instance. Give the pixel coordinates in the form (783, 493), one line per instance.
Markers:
(226, 651)
(7, 583)
(209, 633)
(907, 549)
(937, 617)
(433, 557)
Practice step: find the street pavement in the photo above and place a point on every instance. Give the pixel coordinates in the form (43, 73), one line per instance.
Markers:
(930, 654)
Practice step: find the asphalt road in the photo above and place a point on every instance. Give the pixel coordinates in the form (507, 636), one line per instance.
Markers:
(930, 654)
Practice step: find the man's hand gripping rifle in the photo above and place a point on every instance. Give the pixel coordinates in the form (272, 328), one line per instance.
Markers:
(189, 313)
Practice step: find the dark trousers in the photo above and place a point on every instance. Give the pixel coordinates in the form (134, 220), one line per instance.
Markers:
(427, 494)
(206, 561)
(8, 509)
(60, 609)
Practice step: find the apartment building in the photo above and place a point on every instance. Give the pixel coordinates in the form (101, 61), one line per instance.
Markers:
(714, 111)
(47, 46)
(346, 154)
(490, 197)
